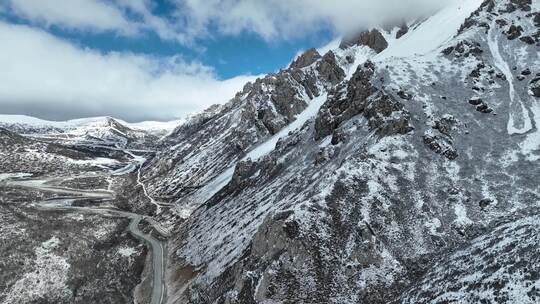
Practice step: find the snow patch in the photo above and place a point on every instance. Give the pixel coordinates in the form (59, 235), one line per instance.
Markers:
(461, 215)
(502, 65)
(47, 280)
(269, 145)
(7, 176)
(432, 33)
(99, 161)
(127, 251)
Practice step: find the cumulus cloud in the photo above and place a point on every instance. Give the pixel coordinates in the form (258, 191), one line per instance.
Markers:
(91, 15)
(44, 75)
(191, 20)
(49, 77)
(99, 16)
(280, 19)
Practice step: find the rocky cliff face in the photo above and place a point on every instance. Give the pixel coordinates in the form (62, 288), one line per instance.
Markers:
(213, 141)
(368, 175)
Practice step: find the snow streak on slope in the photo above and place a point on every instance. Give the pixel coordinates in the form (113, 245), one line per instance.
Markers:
(268, 146)
(532, 142)
(140, 161)
(432, 33)
(260, 151)
(505, 69)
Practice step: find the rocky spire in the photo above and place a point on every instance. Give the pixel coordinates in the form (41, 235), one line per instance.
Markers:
(374, 39)
(306, 59)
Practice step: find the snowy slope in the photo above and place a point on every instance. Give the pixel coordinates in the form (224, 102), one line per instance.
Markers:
(408, 160)
(432, 33)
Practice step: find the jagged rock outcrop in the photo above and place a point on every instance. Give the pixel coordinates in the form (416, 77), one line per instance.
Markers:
(361, 97)
(214, 140)
(534, 87)
(307, 58)
(404, 29)
(373, 39)
(329, 69)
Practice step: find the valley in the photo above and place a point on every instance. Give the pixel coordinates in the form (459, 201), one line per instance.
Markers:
(400, 166)
(85, 230)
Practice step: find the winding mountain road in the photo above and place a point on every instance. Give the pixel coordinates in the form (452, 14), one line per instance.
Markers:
(157, 247)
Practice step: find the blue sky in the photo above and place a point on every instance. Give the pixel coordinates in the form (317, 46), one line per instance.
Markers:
(161, 59)
(230, 55)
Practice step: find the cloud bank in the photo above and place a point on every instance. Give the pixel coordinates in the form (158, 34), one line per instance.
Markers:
(88, 15)
(288, 19)
(51, 78)
(46, 76)
(192, 20)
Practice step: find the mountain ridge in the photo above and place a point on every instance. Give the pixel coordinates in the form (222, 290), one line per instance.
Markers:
(400, 164)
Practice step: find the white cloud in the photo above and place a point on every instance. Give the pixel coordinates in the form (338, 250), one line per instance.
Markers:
(191, 19)
(91, 15)
(165, 29)
(288, 19)
(50, 76)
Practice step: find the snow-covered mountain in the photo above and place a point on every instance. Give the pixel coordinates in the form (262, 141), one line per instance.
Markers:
(401, 166)
(96, 130)
(354, 176)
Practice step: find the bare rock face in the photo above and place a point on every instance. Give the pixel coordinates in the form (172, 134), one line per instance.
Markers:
(404, 29)
(213, 140)
(361, 97)
(343, 105)
(534, 87)
(329, 69)
(373, 39)
(307, 58)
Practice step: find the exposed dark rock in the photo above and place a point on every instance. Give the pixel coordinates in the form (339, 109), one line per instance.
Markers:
(484, 108)
(524, 5)
(404, 95)
(445, 125)
(330, 70)
(514, 32)
(404, 29)
(440, 145)
(475, 101)
(373, 39)
(464, 48)
(527, 39)
(485, 203)
(447, 51)
(534, 87)
(501, 22)
(307, 58)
